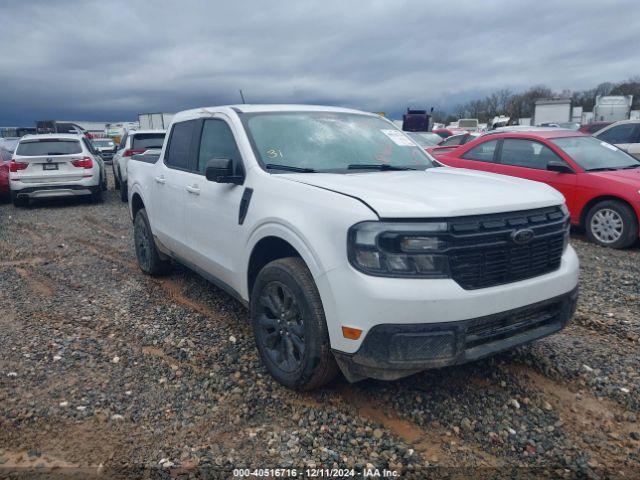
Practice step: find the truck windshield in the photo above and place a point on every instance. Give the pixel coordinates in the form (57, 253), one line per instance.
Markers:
(593, 154)
(331, 142)
(33, 148)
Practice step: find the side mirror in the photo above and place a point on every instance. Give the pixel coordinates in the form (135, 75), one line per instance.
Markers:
(559, 167)
(220, 170)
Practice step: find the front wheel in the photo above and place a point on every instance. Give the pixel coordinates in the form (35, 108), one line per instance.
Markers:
(611, 223)
(149, 258)
(290, 327)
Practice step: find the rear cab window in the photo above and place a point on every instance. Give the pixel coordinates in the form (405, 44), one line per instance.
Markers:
(178, 152)
(50, 146)
(144, 141)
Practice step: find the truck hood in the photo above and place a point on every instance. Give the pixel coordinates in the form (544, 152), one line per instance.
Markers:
(436, 192)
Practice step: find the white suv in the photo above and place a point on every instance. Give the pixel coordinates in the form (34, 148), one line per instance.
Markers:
(351, 248)
(133, 142)
(55, 165)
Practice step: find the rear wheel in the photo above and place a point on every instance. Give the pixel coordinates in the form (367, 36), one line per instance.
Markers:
(105, 183)
(611, 223)
(116, 181)
(19, 202)
(96, 196)
(290, 327)
(148, 256)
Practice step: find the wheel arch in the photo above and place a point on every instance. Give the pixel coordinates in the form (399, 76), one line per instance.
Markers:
(589, 205)
(137, 203)
(271, 242)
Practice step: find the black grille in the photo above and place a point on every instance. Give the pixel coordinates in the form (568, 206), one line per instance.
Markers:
(482, 252)
(490, 330)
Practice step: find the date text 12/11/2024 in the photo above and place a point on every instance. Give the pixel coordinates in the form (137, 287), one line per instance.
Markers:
(316, 473)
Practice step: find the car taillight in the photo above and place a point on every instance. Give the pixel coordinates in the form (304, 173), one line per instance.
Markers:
(85, 162)
(132, 151)
(15, 166)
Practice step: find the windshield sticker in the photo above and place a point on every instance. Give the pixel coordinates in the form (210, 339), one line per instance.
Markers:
(399, 138)
(609, 146)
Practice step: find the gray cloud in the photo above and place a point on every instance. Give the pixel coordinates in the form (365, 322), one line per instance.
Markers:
(112, 59)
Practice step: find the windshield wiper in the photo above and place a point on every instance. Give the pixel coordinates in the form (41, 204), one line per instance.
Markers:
(602, 169)
(377, 166)
(629, 167)
(288, 168)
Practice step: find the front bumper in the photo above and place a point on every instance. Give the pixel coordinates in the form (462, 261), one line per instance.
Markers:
(392, 351)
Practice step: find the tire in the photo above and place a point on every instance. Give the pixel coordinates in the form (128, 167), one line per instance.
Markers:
(105, 183)
(613, 224)
(295, 347)
(116, 181)
(19, 202)
(147, 254)
(96, 196)
(124, 192)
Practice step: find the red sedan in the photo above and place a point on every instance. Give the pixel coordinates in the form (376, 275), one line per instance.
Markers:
(600, 182)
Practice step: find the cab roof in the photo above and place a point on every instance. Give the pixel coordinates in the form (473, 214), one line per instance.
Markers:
(255, 108)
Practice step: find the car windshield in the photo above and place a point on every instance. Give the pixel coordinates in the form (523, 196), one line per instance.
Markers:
(32, 148)
(593, 154)
(331, 142)
(143, 141)
(425, 139)
(103, 143)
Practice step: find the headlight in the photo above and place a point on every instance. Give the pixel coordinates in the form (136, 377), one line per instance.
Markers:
(399, 249)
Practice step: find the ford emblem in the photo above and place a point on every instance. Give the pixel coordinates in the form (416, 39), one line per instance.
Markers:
(522, 237)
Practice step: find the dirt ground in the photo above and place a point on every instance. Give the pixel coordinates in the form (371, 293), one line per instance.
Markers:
(104, 369)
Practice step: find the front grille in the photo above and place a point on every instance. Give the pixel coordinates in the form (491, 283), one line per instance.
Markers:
(482, 253)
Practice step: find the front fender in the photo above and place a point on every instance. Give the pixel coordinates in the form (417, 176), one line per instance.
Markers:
(288, 233)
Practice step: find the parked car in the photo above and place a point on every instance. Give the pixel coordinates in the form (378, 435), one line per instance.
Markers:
(7, 147)
(624, 134)
(133, 142)
(459, 139)
(599, 181)
(105, 147)
(350, 249)
(425, 139)
(593, 127)
(55, 165)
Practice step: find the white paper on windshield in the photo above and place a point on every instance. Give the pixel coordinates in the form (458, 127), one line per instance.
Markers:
(609, 146)
(399, 138)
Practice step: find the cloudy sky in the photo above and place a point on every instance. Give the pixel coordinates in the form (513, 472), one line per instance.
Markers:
(111, 59)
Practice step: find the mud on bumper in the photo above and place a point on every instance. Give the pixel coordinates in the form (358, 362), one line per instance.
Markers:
(392, 351)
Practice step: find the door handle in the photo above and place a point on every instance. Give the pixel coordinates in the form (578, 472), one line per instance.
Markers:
(194, 189)
(160, 180)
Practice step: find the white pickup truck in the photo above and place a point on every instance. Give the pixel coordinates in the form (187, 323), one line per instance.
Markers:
(352, 249)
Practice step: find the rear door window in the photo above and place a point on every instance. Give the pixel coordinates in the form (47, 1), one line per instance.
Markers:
(144, 141)
(34, 148)
(483, 152)
(179, 148)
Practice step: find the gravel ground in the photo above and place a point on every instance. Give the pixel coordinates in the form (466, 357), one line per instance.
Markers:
(107, 370)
